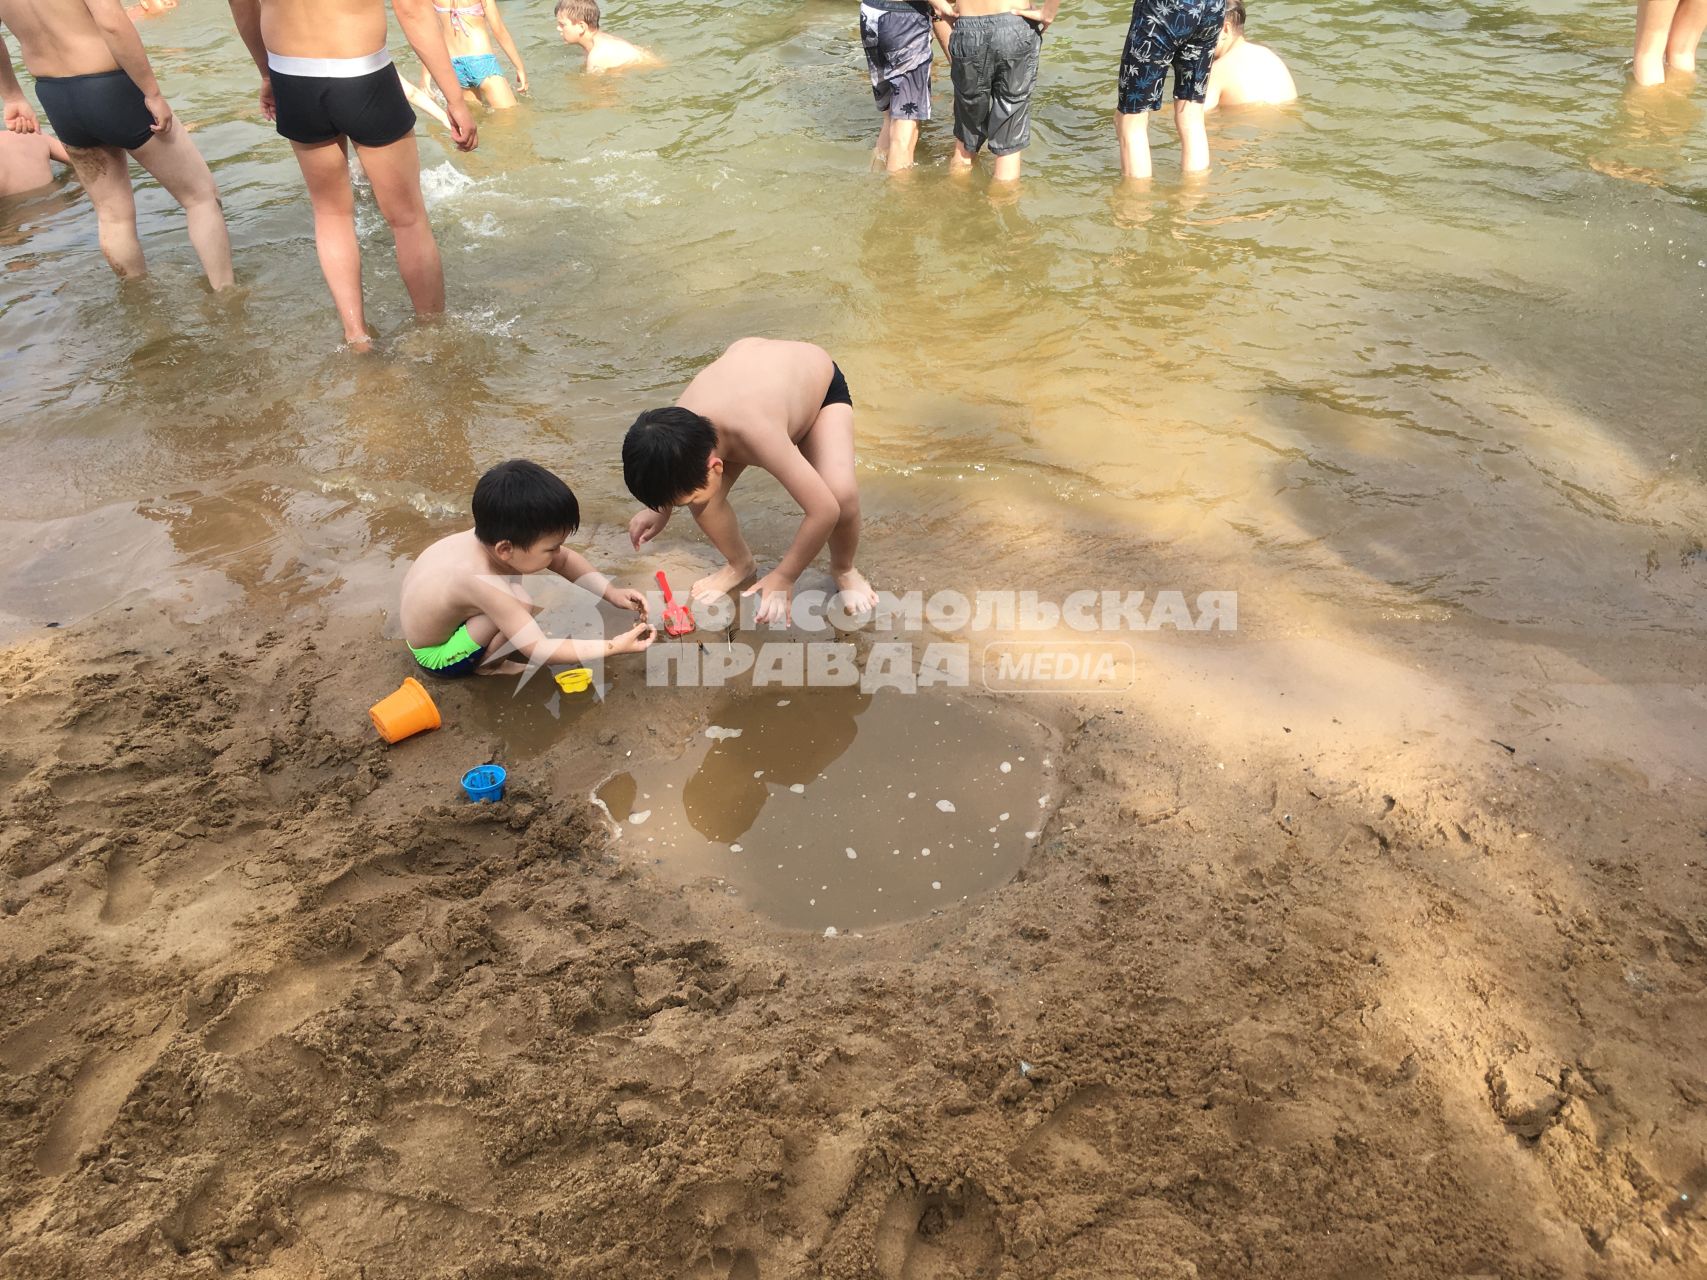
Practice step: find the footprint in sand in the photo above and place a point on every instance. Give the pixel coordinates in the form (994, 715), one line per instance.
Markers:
(292, 995)
(128, 890)
(97, 1092)
(926, 1235)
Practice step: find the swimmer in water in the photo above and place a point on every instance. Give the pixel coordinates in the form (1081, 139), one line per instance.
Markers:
(470, 28)
(96, 85)
(1246, 74)
(578, 23)
(327, 81)
(149, 9)
(25, 151)
(783, 407)
(467, 586)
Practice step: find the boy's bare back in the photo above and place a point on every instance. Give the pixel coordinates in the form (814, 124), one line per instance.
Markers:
(447, 585)
(1249, 75)
(59, 37)
(759, 392)
(613, 53)
(23, 162)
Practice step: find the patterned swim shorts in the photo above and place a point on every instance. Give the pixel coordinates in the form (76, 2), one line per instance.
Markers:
(1177, 33)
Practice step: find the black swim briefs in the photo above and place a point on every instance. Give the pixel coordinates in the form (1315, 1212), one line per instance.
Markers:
(370, 110)
(100, 110)
(838, 392)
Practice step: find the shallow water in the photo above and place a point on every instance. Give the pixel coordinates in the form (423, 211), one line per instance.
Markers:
(1426, 345)
(833, 808)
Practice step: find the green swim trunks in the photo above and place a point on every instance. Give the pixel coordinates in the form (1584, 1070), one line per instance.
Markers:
(456, 657)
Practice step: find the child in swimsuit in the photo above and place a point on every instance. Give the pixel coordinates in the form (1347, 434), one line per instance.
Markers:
(464, 610)
(470, 27)
(24, 159)
(578, 23)
(1246, 74)
(783, 407)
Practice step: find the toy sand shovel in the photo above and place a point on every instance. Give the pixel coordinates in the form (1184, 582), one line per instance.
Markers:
(677, 620)
(574, 680)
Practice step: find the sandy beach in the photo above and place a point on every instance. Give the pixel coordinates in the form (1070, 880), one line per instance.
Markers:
(1363, 940)
(1376, 957)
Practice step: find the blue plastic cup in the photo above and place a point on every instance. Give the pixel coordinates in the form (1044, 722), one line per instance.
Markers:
(484, 782)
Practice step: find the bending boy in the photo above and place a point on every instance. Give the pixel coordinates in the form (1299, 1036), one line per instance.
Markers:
(783, 407)
(98, 89)
(25, 153)
(465, 587)
(326, 77)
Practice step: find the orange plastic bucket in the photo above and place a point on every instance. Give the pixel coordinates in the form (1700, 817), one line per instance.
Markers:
(404, 713)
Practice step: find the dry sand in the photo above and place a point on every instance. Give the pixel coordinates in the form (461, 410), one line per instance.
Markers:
(1312, 978)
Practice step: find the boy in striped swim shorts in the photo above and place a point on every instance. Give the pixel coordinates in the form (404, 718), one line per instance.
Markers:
(896, 35)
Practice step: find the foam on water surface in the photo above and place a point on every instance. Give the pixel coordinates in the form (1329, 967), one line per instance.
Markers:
(812, 809)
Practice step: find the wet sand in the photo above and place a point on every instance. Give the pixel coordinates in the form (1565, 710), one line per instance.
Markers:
(1369, 940)
(1339, 955)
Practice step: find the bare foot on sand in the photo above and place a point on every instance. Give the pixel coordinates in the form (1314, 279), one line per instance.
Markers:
(720, 583)
(859, 597)
(504, 668)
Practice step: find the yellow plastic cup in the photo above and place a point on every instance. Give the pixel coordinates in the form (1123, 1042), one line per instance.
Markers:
(574, 680)
(405, 713)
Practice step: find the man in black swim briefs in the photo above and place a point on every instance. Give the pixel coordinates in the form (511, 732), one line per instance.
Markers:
(99, 92)
(326, 77)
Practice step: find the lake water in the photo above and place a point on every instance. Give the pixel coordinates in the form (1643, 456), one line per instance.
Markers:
(1426, 345)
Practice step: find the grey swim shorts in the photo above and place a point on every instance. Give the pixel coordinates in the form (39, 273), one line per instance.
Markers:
(994, 61)
(897, 39)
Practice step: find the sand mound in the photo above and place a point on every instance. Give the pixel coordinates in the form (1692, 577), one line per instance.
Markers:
(280, 1005)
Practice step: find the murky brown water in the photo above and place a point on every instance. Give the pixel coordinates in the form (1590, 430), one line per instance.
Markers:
(1418, 340)
(1426, 347)
(832, 808)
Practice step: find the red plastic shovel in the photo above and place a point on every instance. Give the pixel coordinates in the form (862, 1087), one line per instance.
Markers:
(677, 620)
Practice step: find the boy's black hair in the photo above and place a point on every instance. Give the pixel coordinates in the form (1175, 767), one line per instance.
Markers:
(666, 454)
(521, 502)
(1236, 14)
(582, 11)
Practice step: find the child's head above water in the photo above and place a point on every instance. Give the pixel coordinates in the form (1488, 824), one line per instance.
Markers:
(669, 458)
(1232, 25)
(523, 513)
(576, 13)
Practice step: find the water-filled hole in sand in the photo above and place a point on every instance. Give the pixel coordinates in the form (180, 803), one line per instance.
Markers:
(831, 808)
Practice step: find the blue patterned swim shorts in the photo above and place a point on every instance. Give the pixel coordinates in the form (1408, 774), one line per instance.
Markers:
(1177, 33)
(473, 69)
